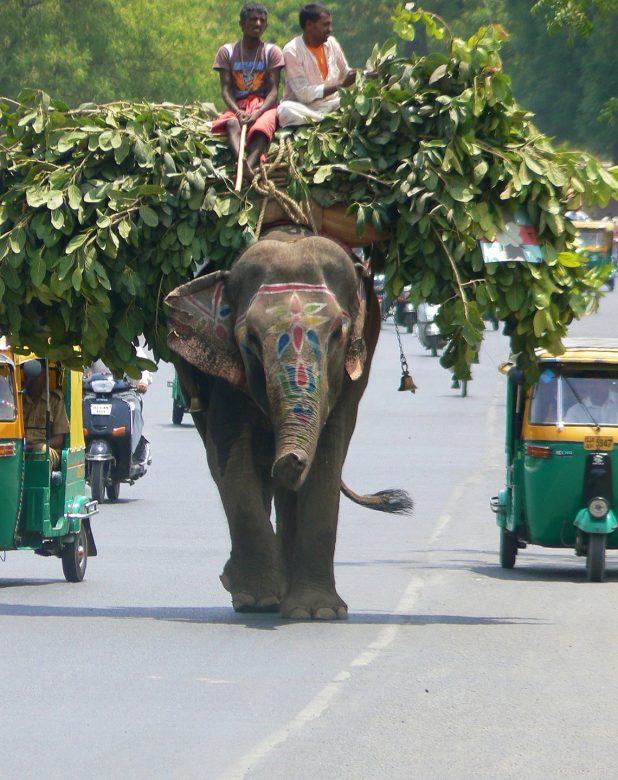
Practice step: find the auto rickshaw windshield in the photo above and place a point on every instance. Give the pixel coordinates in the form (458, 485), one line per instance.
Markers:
(592, 239)
(7, 393)
(575, 397)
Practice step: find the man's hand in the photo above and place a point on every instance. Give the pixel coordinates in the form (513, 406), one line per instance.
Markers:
(349, 79)
(243, 117)
(141, 387)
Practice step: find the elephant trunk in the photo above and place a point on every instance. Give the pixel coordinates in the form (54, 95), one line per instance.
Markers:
(297, 424)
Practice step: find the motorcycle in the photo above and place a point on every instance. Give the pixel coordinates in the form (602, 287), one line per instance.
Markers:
(405, 310)
(427, 329)
(116, 450)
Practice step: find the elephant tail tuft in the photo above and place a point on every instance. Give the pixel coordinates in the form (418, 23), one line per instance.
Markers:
(393, 501)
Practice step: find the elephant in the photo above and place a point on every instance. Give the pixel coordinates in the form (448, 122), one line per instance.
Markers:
(275, 355)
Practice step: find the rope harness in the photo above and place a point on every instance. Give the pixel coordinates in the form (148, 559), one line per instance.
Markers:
(265, 184)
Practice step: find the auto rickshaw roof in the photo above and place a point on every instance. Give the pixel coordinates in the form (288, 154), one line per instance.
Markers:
(583, 350)
(591, 224)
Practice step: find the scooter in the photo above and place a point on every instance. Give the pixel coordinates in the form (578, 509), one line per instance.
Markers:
(116, 450)
(427, 329)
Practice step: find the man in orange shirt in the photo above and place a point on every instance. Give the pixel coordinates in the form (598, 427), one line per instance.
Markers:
(315, 68)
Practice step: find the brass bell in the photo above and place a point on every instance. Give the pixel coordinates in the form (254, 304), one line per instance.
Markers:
(407, 383)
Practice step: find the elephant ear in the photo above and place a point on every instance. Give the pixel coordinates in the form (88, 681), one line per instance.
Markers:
(201, 322)
(357, 351)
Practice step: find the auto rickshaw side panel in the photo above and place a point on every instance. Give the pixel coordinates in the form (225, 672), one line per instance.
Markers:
(11, 488)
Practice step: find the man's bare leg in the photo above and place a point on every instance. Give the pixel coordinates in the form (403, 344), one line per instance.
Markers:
(258, 144)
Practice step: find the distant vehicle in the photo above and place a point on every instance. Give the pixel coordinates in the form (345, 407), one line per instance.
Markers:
(427, 329)
(596, 240)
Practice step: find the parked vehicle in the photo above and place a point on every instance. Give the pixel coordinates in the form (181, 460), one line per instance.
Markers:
(596, 239)
(427, 329)
(179, 403)
(43, 510)
(561, 460)
(116, 450)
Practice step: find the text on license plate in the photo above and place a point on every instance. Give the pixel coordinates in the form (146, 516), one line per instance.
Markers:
(598, 443)
(100, 409)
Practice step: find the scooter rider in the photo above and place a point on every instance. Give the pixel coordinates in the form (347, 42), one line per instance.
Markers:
(141, 385)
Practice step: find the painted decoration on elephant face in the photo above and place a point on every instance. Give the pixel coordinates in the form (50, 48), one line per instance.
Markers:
(295, 314)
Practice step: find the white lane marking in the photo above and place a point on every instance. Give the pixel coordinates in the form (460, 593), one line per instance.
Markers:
(489, 459)
(322, 700)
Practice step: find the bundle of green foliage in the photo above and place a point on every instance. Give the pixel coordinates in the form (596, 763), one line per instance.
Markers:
(105, 209)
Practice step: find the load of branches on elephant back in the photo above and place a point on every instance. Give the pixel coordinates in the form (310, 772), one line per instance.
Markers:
(106, 208)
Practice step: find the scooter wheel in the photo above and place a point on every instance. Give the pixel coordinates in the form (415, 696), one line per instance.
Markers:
(595, 558)
(113, 491)
(97, 481)
(75, 557)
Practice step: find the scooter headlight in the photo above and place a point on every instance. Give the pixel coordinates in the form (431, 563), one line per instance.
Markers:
(102, 385)
(598, 507)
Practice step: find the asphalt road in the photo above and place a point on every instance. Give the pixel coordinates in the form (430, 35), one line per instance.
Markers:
(448, 667)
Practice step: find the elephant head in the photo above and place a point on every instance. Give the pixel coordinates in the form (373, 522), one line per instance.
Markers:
(284, 325)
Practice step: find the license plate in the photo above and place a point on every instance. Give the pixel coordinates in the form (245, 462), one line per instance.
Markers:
(100, 409)
(605, 443)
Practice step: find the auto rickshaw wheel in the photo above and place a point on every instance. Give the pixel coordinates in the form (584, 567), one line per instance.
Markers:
(508, 548)
(75, 557)
(178, 412)
(595, 557)
(113, 490)
(97, 480)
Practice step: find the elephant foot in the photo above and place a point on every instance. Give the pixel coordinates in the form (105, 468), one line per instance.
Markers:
(313, 605)
(250, 598)
(245, 602)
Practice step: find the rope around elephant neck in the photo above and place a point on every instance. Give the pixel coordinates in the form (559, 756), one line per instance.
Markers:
(299, 213)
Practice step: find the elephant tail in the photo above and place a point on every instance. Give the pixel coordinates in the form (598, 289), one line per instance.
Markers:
(394, 501)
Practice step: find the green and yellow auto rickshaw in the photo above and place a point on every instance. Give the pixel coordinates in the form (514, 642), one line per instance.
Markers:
(595, 240)
(561, 456)
(44, 507)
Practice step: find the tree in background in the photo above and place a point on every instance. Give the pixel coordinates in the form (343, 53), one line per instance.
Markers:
(163, 50)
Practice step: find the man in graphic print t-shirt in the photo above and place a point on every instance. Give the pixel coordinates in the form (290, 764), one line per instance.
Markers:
(249, 71)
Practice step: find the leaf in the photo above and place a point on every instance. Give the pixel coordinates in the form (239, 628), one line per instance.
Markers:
(75, 242)
(438, 73)
(75, 197)
(322, 173)
(149, 216)
(570, 259)
(38, 269)
(186, 233)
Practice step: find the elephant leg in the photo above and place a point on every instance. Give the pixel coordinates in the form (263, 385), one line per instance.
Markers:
(252, 573)
(311, 591)
(286, 512)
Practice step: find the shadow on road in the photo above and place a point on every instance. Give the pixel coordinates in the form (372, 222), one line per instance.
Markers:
(262, 622)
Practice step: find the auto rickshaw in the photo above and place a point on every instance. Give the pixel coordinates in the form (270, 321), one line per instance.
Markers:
(43, 510)
(561, 457)
(595, 240)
